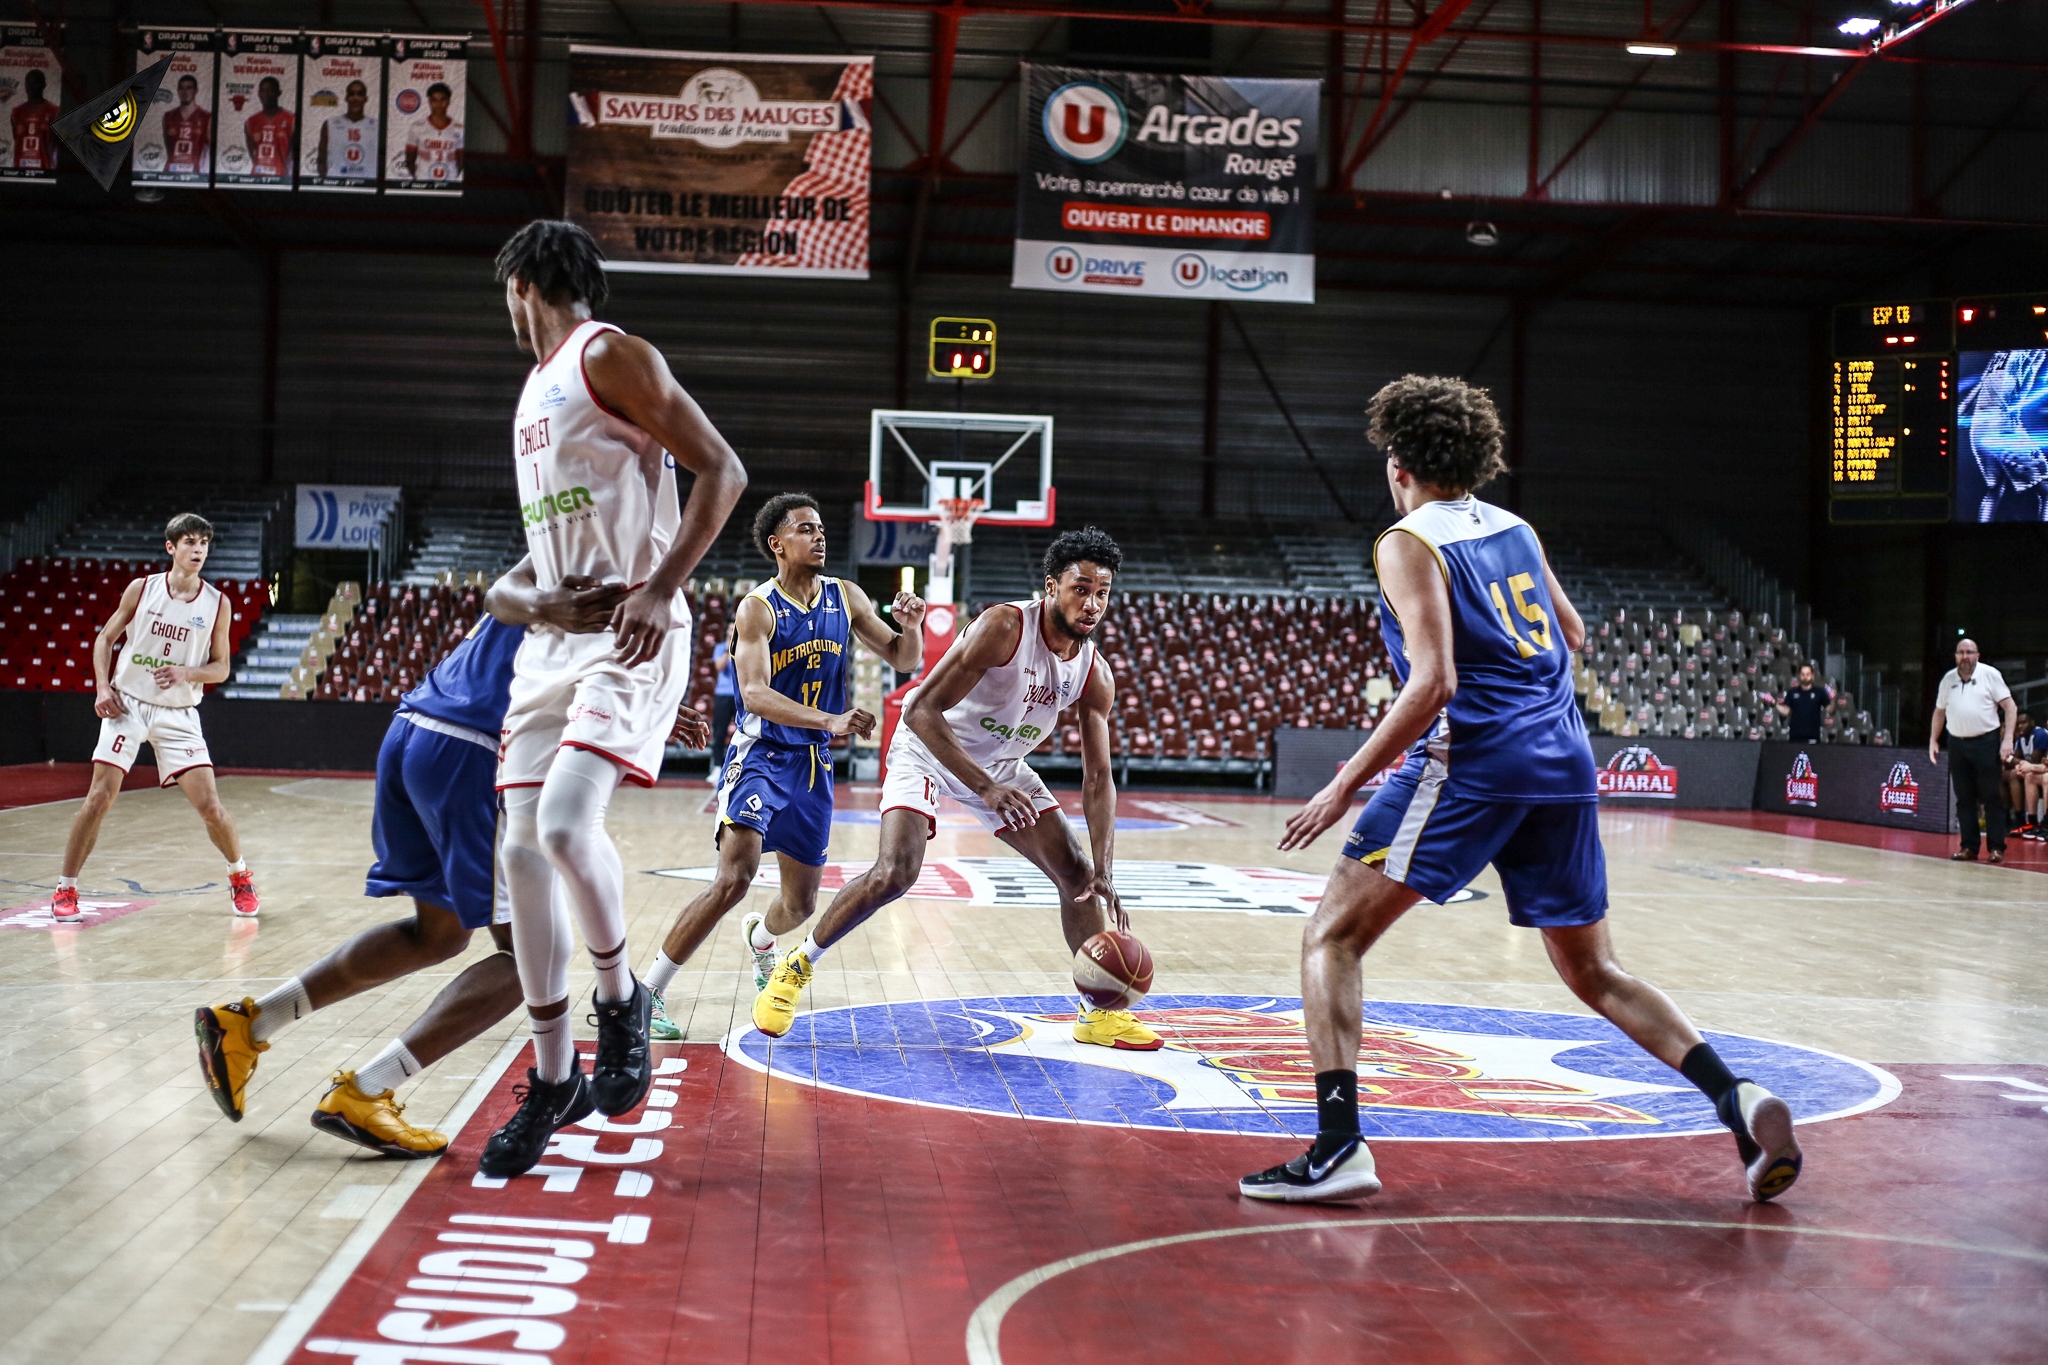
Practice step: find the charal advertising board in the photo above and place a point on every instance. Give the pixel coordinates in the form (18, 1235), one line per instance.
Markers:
(1862, 783)
(1676, 774)
(717, 163)
(1166, 186)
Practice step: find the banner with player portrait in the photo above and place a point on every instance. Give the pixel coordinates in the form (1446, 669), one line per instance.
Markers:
(708, 163)
(174, 142)
(31, 98)
(429, 80)
(341, 119)
(1196, 187)
(259, 109)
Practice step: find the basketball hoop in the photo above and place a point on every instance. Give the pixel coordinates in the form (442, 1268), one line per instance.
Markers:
(956, 519)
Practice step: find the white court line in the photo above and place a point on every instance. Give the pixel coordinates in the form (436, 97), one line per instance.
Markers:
(305, 1310)
(985, 1325)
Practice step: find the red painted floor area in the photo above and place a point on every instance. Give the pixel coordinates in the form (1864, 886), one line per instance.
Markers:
(2019, 853)
(780, 1223)
(33, 784)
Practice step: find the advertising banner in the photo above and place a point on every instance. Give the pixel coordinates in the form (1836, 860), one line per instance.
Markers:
(174, 144)
(711, 163)
(429, 104)
(340, 144)
(1676, 774)
(31, 96)
(1858, 782)
(1198, 187)
(333, 516)
(259, 109)
(892, 542)
(1305, 760)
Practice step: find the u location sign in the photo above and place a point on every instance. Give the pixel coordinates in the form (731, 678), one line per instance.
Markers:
(1177, 186)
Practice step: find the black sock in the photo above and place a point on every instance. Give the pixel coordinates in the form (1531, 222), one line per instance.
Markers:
(1705, 1069)
(1336, 1111)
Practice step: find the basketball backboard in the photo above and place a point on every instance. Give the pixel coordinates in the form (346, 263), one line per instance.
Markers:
(917, 457)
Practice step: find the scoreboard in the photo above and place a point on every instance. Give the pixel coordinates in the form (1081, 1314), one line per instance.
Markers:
(1891, 455)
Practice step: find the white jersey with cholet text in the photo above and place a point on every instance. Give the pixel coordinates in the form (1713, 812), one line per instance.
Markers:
(1009, 712)
(167, 629)
(597, 494)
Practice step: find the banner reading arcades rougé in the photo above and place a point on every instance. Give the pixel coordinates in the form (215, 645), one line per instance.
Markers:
(1173, 186)
(706, 163)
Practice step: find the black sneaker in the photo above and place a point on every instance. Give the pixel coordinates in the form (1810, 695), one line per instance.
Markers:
(620, 1075)
(1762, 1124)
(1348, 1174)
(544, 1106)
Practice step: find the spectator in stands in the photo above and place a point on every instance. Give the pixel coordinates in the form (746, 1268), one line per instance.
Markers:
(1803, 706)
(1974, 706)
(723, 694)
(2029, 747)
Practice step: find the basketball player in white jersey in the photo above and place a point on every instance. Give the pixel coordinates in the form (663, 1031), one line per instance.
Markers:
(176, 629)
(433, 142)
(966, 730)
(601, 427)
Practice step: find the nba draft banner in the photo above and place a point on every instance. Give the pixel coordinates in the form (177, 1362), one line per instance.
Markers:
(1193, 187)
(31, 91)
(429, 103)
(707, 163)
(339, 144)
(174, 144)
(259, 102)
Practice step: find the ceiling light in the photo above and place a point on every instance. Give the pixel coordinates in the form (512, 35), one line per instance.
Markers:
(1653, 49)
(1856, 28)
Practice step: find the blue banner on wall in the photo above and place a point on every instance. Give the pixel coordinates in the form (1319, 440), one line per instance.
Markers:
(342, 516)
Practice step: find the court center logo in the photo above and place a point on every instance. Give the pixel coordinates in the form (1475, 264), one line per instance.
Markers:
(1063, 263)
(1802, 784)
(1637, 771)
(1085, 122)
(1240, 1064)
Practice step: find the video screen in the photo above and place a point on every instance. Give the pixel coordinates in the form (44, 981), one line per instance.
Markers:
(2002, 436)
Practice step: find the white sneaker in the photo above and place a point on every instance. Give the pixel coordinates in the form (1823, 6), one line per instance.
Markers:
(764, 958)
(1764, 1138)
(1348, 1174)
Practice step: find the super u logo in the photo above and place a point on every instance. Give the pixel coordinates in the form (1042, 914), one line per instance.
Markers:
(1063, 263)
(1085, 122)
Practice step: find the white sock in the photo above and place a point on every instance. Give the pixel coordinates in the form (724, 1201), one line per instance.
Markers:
(388, 1070)
(71, 882)
(239, 865)
(554, 1047)
(287, 1004)
(757, 934)
(662, 972)
(614, 977)
(812, 949)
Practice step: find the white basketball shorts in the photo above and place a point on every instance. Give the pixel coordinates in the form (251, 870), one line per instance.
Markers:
(571, 690)
(172, 731)
(917, 780)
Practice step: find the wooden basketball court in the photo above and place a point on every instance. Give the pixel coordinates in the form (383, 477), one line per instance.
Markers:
(926, 1169)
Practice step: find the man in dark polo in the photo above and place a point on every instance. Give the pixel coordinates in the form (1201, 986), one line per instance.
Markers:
(1803, 706)
(1974, 706)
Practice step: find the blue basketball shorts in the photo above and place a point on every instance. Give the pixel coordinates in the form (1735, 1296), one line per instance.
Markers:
(1547, 854)
(436, 824)
(782, 793)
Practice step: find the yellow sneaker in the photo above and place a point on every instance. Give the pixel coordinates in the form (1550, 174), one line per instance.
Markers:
(227, 1051)
(373, 1121)
(775, 1006)
(1115, 1028)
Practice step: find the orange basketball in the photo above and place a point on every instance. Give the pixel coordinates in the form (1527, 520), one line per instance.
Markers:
(1113, 971)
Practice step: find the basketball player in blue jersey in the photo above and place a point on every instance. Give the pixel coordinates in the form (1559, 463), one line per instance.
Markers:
(1481, 636)
(435, 831)
(775, 794)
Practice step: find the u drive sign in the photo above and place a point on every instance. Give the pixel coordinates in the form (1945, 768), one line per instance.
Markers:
(1192, 187)
(338, 516)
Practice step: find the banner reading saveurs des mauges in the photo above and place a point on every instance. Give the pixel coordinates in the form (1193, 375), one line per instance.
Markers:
(1168, 186)
(719, 163)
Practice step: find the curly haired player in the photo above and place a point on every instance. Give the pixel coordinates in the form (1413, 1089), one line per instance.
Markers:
(1500, 772)
(965, 732)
